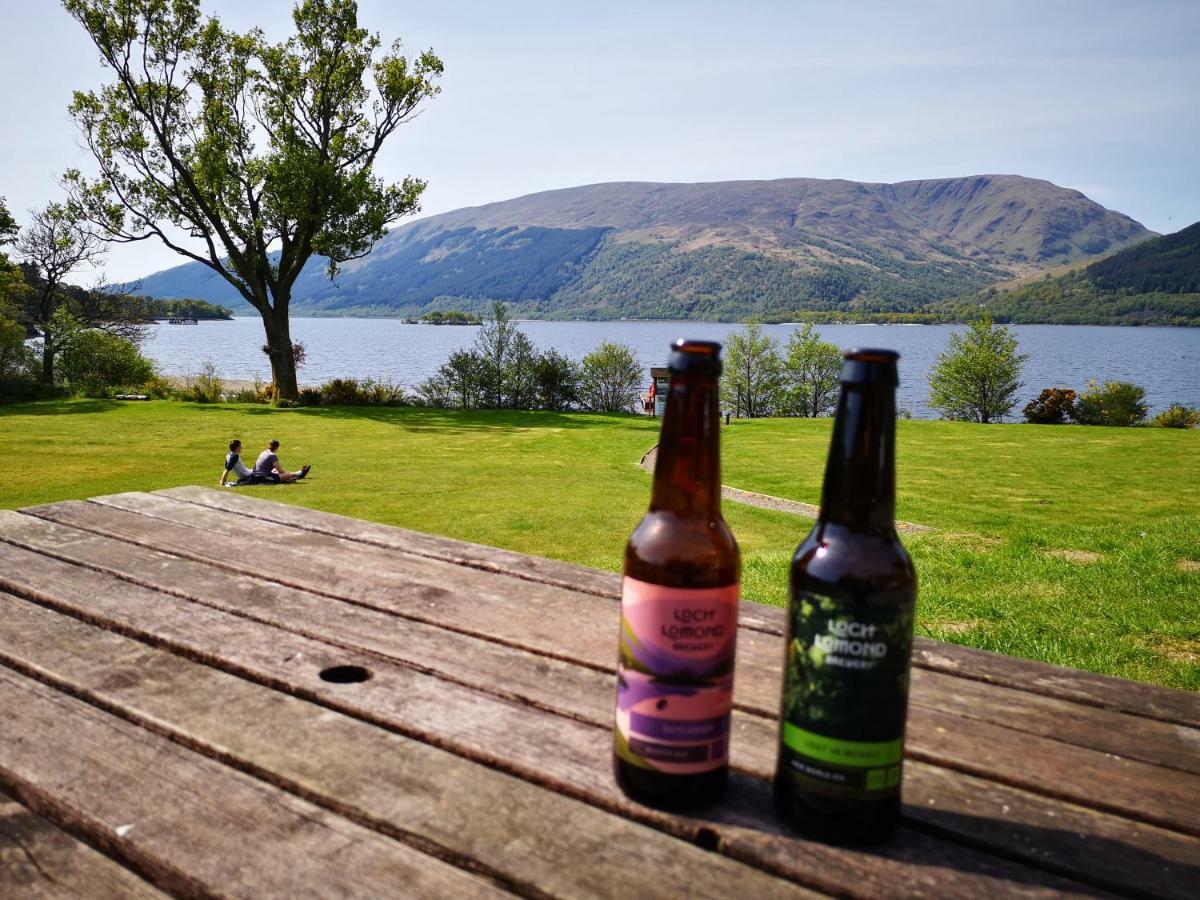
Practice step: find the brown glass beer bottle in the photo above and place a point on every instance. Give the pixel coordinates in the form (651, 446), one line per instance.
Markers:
(850, 624)
(679, 606)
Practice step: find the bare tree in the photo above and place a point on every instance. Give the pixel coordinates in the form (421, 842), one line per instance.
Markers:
(56, 242)
(112, 308)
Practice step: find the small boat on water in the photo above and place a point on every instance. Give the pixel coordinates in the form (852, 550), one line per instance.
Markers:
(183, 321)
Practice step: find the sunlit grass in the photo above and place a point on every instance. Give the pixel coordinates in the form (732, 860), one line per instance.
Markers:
(1065, 544)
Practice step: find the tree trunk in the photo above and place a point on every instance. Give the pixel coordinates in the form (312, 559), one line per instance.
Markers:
(283, 359)
(47, 358)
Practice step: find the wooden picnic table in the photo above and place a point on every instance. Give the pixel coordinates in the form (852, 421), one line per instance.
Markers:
(181, 711)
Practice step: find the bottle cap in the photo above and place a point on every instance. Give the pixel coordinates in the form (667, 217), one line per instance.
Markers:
(695, 358)
(869, 365)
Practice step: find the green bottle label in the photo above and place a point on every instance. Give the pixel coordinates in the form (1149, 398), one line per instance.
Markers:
(845, 695)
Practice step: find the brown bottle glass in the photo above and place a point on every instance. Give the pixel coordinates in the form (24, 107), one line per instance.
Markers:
(850, 623)
(679, 606)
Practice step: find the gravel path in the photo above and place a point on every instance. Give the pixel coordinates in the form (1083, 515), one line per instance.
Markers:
(766, 501)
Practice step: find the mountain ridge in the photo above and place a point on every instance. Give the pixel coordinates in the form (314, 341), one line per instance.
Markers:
(711, 249)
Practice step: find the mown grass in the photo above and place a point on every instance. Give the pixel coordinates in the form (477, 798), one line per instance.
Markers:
(1069, 545)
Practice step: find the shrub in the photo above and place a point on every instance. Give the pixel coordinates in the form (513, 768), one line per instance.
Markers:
(383, 393)
(95, 362)
(611, 378)
(206, 387)
(156, 387)
(341, 392)
(555, 381)
(14, 354)
(310, 396)
(1177, 416)
(435, 392)
(249, 394)
(1053, 406)
(24, 390)
(1118, 403)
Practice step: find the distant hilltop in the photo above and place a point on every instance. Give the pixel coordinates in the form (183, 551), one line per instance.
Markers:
(721, 250)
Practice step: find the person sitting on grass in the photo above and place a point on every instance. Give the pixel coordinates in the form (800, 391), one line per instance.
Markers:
(233, 463)
(269, 469)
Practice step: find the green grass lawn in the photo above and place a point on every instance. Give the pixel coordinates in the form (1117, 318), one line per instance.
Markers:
(1070, 545)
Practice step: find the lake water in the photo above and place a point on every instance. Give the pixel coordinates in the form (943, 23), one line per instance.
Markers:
(1166, 361)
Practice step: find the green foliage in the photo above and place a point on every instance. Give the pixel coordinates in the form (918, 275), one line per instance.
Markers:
(246, 144)
(1118, 403)
(977, 377)
(1177, 416)
(610, 378)
(1053, 406)
(1155, 282)
(505, 370)
(187, 308)
(8, 225)
(93, 363)
(810, 374)
(506, 361)
(1169, 264)
(449, 317)
(355, 392)
(635, 279)
(203, 387)
(556, 381)
(752, 377)
(13, 352)
(57, 241)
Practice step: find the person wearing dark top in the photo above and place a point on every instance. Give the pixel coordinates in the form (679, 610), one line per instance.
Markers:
(269, 468)
(234, 464)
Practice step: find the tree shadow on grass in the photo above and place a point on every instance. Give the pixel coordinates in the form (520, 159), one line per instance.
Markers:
(412, 418)
(59, 407)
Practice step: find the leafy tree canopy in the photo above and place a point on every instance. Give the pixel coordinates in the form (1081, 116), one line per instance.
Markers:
(811, 372)
(246, 145)
(978, 376)
(753, 373)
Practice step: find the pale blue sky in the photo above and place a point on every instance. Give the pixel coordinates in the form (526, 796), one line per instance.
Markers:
(1099, 96)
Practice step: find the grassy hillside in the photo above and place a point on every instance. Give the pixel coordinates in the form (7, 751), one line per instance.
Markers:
(1079, 546)
(1156, 282)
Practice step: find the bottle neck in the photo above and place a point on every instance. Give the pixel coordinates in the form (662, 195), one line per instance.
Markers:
(860, 477)
(687, 474)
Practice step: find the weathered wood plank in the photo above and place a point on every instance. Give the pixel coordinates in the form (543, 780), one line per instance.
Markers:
(578, 691)
(40, 861)
(570, 756)
(537, 840)
(456, 600)
(478, 556)
(993, 668)
(508, 671)
(193, 826)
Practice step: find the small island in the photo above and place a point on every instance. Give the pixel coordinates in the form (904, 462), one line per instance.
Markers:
(447, 317)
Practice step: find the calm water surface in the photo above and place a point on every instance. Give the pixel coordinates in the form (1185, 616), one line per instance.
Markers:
(1166, 361)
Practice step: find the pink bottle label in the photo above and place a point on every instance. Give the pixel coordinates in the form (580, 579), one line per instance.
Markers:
(675, 676)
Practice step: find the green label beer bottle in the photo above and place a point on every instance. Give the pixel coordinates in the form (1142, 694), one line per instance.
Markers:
(850, 625)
